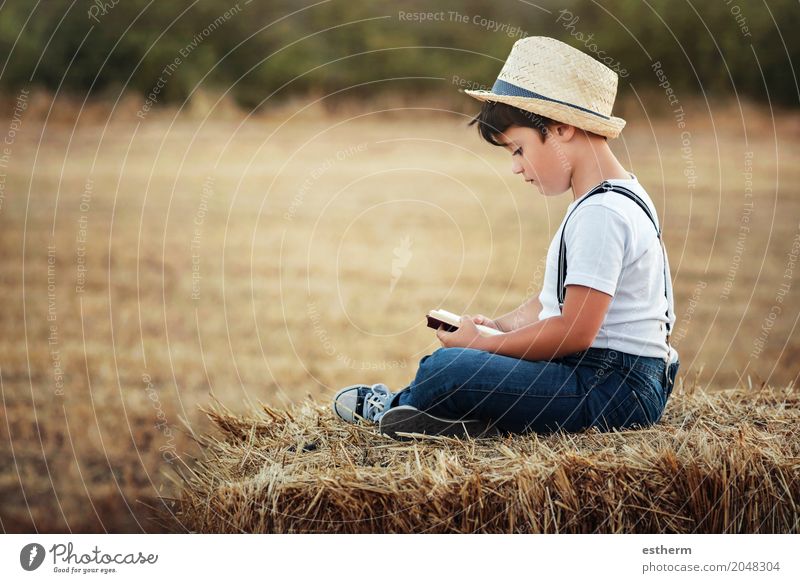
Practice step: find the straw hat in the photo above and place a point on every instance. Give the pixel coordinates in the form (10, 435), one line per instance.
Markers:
(550, 78)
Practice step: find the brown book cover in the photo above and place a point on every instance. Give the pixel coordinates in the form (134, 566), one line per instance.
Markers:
(449, 322)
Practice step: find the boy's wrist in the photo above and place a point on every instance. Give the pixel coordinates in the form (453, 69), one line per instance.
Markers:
(488, 343)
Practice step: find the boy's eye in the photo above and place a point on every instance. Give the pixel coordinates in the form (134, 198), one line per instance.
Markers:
(517, 151)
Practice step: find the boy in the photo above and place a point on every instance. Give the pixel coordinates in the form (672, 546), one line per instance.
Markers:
(592, 350)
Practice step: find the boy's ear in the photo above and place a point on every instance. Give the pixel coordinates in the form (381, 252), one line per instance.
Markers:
(563, 131)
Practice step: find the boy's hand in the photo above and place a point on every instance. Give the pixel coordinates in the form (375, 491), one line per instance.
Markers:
(484, 321)
(467, 335)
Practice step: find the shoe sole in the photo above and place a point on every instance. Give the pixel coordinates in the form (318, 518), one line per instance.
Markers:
(407, 419)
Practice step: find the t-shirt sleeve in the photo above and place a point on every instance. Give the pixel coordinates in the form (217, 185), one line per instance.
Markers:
(597, 239)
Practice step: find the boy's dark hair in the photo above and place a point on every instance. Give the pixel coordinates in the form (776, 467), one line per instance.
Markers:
(495, 118)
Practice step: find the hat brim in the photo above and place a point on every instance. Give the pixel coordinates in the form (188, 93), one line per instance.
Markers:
(608, 127)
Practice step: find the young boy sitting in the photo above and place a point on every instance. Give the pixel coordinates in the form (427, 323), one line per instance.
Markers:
(592, 349)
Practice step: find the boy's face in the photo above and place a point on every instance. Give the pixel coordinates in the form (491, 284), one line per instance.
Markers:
(543, 163)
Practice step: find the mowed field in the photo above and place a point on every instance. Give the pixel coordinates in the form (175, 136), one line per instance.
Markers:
(151, 266)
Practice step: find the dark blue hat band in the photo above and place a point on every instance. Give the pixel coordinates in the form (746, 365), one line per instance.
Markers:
(505, 88)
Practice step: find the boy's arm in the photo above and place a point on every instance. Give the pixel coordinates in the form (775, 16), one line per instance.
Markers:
(525, 314)
(574, 330)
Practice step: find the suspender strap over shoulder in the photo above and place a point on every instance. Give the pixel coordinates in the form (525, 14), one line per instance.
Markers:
(562, 251)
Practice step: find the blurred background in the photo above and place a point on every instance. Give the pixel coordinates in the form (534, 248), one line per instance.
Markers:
(258, 202)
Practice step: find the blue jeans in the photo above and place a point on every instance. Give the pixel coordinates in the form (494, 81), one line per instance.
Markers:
(597, 387)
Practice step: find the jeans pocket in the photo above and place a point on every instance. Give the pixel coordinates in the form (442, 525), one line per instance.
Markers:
(650, 398)
(648, 386)
(625, 413)
(615, 404)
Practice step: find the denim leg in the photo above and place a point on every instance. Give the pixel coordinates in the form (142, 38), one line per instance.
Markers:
(523, 395)
(517, 395)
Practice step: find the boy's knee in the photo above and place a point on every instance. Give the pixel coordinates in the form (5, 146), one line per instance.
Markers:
(443, 357)
(450, 363)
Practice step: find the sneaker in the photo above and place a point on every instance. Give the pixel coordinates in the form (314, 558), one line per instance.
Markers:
(408, 419)
(367, 402)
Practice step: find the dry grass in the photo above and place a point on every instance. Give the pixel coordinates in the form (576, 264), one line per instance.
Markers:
(717, 463)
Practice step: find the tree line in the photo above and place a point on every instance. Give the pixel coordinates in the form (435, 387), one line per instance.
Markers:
(273, 50)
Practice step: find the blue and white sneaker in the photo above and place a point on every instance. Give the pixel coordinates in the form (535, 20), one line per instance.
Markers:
(366, 402)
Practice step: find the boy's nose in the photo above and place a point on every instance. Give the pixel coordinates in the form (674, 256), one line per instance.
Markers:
(516, 167)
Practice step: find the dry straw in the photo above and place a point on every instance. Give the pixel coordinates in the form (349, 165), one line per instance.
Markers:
(725, 462)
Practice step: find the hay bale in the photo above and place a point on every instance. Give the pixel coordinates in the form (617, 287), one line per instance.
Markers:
(723, 462)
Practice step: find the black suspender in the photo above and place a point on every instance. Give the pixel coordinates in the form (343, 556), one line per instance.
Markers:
(562, 251)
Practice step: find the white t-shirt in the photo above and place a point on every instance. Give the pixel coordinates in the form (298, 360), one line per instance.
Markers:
(612, 246)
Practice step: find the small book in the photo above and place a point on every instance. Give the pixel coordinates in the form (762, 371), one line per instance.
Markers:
(450, 322)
